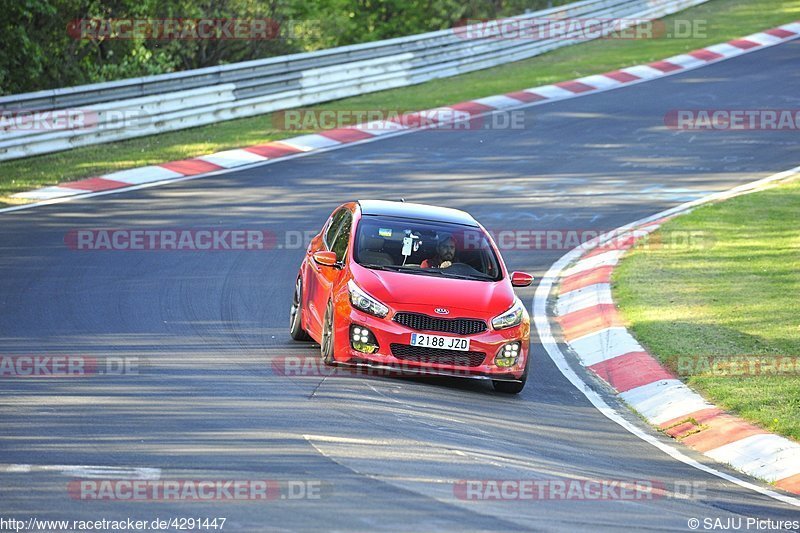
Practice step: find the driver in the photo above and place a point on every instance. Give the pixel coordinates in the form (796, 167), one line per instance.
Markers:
(445, 253)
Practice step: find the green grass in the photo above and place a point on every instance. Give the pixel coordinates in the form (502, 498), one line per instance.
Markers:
(724, 20)
(734, 291)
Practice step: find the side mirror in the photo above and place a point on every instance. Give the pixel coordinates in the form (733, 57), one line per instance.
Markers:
(326, 258)
(521, 279)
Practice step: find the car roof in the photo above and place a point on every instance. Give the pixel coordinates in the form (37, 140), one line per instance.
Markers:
(416, 211)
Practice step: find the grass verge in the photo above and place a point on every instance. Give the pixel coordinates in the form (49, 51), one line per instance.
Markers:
(720, 20)
(722, 309)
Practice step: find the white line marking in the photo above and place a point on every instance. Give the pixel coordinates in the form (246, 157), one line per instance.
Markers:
(137, 176)
(380, 127)
(499, 101)
(542, 323)
(86, 471)
(725, 49)
(767, 456)
(685, 61)
(605, 344)
(609, 258)
(552, 92)
(583, 298)
(792, 26)
(600, 81)
(47, 193)
(764, 39)
(347, 440)
(310, 142)
(232, 158)
(664, 400)
(645, 72)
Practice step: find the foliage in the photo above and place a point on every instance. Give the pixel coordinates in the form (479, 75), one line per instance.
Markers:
(39, 51)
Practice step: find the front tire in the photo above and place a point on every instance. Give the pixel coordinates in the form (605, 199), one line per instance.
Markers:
(512, 387)
(296, 314)
(327, 345)
(508, 387)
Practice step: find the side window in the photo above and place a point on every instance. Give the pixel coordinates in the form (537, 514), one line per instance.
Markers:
(333, 227)
(343, 237)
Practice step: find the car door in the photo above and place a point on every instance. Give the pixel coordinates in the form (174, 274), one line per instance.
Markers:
(320, 278)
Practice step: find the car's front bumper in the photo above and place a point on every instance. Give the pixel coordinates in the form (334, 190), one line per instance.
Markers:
(388, 332)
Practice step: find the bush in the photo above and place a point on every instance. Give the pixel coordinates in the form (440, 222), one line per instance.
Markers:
(39, 52)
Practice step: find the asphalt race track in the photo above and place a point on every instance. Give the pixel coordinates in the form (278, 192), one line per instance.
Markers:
(209, 329)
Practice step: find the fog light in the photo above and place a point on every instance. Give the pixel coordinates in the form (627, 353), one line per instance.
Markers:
(508, 355)
(363, 340)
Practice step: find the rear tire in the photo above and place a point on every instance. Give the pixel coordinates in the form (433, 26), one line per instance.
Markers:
(327, 345)
(296, 314)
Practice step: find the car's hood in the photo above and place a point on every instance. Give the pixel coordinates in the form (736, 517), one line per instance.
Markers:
(424, 293)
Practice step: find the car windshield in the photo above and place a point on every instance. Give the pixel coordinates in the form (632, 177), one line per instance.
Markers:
(425, 248)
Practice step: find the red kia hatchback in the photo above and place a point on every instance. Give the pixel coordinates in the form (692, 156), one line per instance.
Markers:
(412, 288)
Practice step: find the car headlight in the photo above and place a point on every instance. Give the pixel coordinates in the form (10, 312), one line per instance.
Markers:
(511, 318)
(364, 302)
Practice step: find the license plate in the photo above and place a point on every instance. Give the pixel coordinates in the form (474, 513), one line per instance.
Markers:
(438, 341)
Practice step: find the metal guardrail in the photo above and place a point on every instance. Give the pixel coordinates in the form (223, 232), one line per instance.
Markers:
(137, 107)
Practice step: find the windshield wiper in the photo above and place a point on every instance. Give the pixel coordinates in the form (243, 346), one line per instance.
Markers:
(465, 276)
(374, 267)
(412, 269)
(428, 272)
(402, 268)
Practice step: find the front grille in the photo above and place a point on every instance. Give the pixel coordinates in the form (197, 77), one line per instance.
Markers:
(459, 326)
(420, 354)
